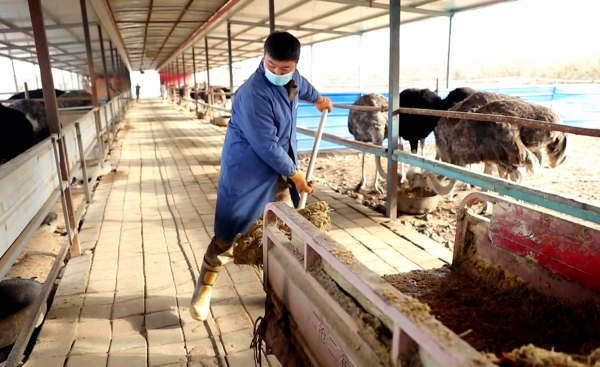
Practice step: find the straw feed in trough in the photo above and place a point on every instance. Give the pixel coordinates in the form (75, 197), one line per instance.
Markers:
(248, 249)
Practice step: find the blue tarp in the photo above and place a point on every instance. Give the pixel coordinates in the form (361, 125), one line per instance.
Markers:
(577, 105)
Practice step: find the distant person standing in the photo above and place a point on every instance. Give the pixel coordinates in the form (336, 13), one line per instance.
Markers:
(163, 90)
(137, 92)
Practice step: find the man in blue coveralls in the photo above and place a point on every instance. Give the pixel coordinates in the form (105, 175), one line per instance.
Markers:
(259, 153)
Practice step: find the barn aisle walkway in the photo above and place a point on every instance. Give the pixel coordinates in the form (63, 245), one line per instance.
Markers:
(124, 302)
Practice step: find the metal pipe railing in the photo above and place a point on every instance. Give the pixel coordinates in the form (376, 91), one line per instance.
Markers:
(502, 119)
(209, 106)
(482, 117)
(550, 200)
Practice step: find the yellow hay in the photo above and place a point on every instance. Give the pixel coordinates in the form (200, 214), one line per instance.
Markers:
(248, 249)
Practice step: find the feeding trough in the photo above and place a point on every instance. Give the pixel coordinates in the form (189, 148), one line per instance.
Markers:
(522, 290)
(417, 200)
(17, 297)
(222, 120)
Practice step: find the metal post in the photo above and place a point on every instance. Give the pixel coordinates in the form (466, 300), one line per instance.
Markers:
(37, 80)
(92, 71)
(230, 59)
(72, 82)
(62, 74)
(177, 67)
(183, 69)
(208, 93)
(394, 103)
(104, 67)
(99, 138)
(88, 49)
(12, 63)
(312, 49)
(184, 102)
(449, 58)
(272, 16)
(195, 82)
(88, 197)
(26, 90)
(360, 86)
(108, 85)
(114, 77)
(118, 72)
(207, 64)
(174, 88)
(41, 46)
(112, 60)
(122, 84)
(109, 124)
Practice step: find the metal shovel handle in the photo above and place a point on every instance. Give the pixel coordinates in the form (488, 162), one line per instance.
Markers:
(313, 158)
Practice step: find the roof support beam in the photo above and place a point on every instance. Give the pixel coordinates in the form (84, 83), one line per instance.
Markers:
(236, 40)
(48, 28)
(104, 68)
(33, 58)
(161, 9)
(146, 33)
(90, 56)
(104, 12)
(406, 9)
(157, 21)
(228, 9)
(267, 19)
(27, 33)
(300, 24)
(179, 18)
(300, 29)
(52, 45)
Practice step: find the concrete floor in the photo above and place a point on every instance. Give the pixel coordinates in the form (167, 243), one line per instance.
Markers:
(125, 301)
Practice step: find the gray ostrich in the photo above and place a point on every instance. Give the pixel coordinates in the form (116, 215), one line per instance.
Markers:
(369, 127)
(463, 142)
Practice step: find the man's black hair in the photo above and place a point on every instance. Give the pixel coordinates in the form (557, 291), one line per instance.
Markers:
(282, 46)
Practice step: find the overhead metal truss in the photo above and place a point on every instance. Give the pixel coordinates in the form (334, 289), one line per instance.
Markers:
(311, 21)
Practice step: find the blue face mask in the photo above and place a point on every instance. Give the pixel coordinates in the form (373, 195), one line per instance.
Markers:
(279, 80)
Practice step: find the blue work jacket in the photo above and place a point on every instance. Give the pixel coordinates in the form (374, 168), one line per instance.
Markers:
(260, 144)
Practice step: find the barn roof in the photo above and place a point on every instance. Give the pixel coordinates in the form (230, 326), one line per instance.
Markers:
(149, 34)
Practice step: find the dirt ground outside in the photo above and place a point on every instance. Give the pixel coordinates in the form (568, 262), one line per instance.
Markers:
(578, 177)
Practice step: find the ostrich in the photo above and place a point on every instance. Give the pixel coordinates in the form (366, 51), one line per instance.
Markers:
(22, 127)
(463, 142)
(456, 96)
(35, 112)
(36, 94)
(369, 127)
(534, 139)
(218, 99)
(75, 94)
(372, 127)
(16, 134)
